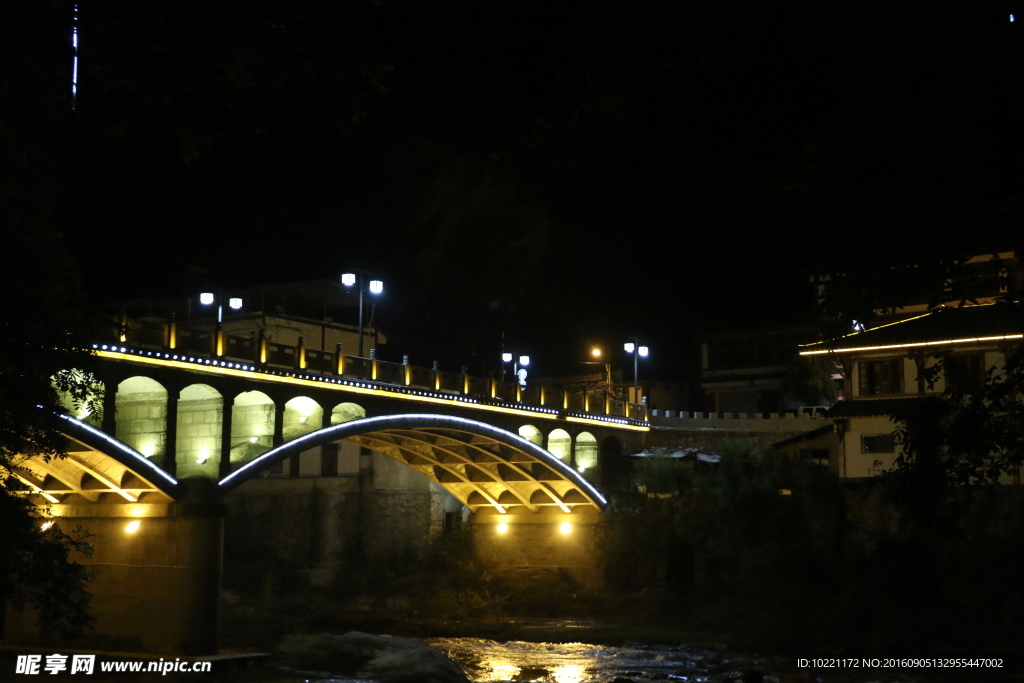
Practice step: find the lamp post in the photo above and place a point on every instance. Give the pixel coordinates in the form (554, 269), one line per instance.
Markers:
(234, 303)
(375, 287)
(634, 347)
(518, 363)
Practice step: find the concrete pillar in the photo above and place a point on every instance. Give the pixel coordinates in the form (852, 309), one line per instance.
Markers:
(109, 422)
(227, 413)
(171, 443)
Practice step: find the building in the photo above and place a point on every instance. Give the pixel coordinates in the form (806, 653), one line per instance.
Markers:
(746, 371)
(884, 368)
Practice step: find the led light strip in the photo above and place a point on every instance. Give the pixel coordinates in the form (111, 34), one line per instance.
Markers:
(429, 421)
(234, 369)
(137, 457)
(914, 344)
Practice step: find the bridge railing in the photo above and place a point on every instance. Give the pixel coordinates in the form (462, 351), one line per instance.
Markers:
(202, 341)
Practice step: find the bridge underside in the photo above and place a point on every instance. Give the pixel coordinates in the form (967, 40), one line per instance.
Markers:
(485, 468)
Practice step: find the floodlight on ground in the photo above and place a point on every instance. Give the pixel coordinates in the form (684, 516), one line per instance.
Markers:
(502, 528)
(133, 526)
(565, 528)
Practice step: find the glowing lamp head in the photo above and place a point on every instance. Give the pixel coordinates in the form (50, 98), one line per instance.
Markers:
(376, 286)
(235, 303)
(565, 528)
(206, 298)
(524, 360)
(643, 351)
(502, 528)
(506, 357)
(46, 525)
(202, 457)
(133, 526)
(595, 352)
(629, 346)
(348, 279)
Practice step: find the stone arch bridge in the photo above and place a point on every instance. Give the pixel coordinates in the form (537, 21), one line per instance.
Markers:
(153, 476)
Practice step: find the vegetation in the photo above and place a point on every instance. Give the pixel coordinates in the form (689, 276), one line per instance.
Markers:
(780, 555)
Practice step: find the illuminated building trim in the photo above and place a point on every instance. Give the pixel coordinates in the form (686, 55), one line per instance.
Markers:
(914, 344)
(193, 363)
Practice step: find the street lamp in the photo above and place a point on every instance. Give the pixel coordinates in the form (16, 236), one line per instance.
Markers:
(208, 298)
(234, 303)
(375, 287)
(637, 350)
(519, 366)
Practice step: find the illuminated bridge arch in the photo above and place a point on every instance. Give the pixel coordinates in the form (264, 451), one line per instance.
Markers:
(98, 468)
(483, 466)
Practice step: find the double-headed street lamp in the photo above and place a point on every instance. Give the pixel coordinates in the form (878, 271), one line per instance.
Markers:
(211, 298)
(518, 366)
(374, 286)
(637, 350)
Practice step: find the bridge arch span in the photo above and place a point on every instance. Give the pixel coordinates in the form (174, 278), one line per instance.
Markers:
(484, 467)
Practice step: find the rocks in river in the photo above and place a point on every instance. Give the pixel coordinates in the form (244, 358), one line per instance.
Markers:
(363, 655)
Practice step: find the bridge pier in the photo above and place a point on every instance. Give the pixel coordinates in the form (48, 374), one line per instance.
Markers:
(534, 548)
(157, 574)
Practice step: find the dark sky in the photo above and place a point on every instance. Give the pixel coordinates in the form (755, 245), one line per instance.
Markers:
(565, 173)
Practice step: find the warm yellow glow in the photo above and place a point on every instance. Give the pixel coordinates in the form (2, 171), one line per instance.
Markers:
(569, 673)
(46, 525)
(595, 352)
(914, 344)
(149, 450)
(502, 528)
(266, 377)
(565, 528)
(133, 526)
(253, 439)
(203, 457)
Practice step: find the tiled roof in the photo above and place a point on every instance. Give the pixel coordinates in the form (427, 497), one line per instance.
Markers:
(875, 407)
(932, 329)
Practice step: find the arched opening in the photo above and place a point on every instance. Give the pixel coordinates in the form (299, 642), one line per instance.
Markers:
(86, 410)
(200, 411)
(560, 445)
(303, 415)
(346, 412)
(587, 462)
(341, 458)
(532, 434)
(141, 420)
(252, 426)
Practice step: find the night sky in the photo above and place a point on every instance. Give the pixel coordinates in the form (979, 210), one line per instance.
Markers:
(566, 173)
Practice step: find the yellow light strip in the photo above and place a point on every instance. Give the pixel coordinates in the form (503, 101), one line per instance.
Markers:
(266, 377)
(895, 322)
(913, 345)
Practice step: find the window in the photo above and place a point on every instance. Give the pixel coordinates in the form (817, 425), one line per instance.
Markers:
(964, 371)
(814, 456)
(878, 377)
(329, 460)
(877, 443)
